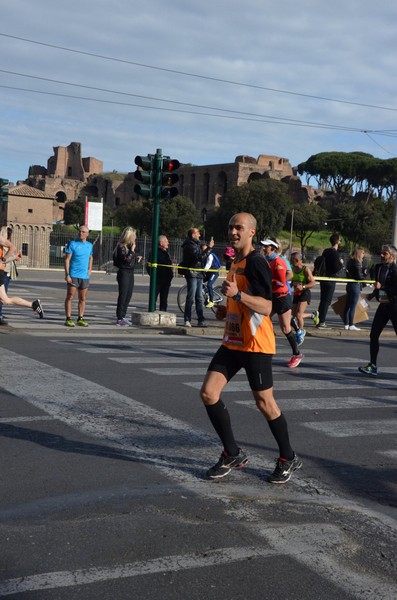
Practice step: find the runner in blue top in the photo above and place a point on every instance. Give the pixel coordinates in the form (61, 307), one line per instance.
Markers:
(78, 266)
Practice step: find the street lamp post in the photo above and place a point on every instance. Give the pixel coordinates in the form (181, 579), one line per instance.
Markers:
(394, 229)
(204, 219)
(291, 231)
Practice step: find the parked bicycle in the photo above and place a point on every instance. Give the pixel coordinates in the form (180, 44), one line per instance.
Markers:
(218, 297)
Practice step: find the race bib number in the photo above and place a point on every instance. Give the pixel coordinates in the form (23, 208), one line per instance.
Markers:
(233, 332)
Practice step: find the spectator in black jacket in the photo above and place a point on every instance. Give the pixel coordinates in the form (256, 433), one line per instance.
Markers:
(333, 264)
(126, 259)
(355, 270)
(385, 291)
(193, 257)
(164, 273)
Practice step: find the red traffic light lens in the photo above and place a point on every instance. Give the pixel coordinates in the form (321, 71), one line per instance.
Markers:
(171, 165)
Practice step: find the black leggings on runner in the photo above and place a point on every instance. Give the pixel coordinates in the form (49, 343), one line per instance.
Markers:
(385, 313)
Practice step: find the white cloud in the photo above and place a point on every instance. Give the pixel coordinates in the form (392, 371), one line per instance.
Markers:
(330, 50)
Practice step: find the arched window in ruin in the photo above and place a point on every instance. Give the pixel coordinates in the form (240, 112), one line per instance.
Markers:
(221, 186)
(193, 188)
(254, 176)
(206, 189)
(91, 191)
(60, 197)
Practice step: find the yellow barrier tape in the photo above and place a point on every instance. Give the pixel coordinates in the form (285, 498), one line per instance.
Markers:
(344, 280)
(221, 270)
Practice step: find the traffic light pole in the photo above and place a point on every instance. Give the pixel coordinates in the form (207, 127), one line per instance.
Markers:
(158, 160)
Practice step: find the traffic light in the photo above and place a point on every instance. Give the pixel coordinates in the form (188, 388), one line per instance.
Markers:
(144, 174)
(4, 190)
(169, 178)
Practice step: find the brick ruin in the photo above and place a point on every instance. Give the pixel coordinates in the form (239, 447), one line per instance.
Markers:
(69, 176)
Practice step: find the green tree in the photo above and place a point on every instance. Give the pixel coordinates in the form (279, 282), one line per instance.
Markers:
(339, 172)
(266, 199)
(108, 215)
(366, 224)
(177, 216)
(308, 218)
(378, 229)
(74, 212)
(382, 176)
(137, 214)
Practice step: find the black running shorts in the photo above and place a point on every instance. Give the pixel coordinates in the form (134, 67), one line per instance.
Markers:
(305, 296)
(281, 305)
(257, 365)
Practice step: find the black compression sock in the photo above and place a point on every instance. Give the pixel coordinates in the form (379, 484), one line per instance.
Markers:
(294, 324)
(220, 419)
(279, 429)
(293, 343)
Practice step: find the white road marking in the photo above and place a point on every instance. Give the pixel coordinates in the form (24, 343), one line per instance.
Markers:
(165, 564)
(332, 403)
(174, 372)
(321, 549)
(109, 350)
(137, 360)
(336, 373)
(158, 351)
(26, 419)
(389, 453)
(341, 429)
(144, 344)
(300, 384)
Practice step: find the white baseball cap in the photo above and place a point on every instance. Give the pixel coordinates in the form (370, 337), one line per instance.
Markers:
(269, 242)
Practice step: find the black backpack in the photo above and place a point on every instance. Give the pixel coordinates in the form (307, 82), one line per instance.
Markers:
(319, 267)
(116, 258)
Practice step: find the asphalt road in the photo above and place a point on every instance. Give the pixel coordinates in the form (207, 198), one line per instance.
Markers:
(105, 444)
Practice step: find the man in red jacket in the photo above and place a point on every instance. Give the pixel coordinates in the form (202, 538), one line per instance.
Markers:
(282, 300)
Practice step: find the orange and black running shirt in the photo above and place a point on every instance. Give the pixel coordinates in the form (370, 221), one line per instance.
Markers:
(246, 330)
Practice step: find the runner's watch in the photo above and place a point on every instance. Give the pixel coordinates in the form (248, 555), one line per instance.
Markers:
(237, 297)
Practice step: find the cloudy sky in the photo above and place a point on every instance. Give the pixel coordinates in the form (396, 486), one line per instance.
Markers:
(204, 81)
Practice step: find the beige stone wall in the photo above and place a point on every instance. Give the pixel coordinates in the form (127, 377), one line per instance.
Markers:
(92, 166)
(35, 211)
(34, 242)
(70, 176)
(67, 172)
(66, 162)
(29, 213)
(205, 185)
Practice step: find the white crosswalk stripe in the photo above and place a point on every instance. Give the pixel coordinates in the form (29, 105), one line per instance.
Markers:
(332, 403)
(301, 373)
(349, 428)
(137, 360)
(389, 453)
(302, 384)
